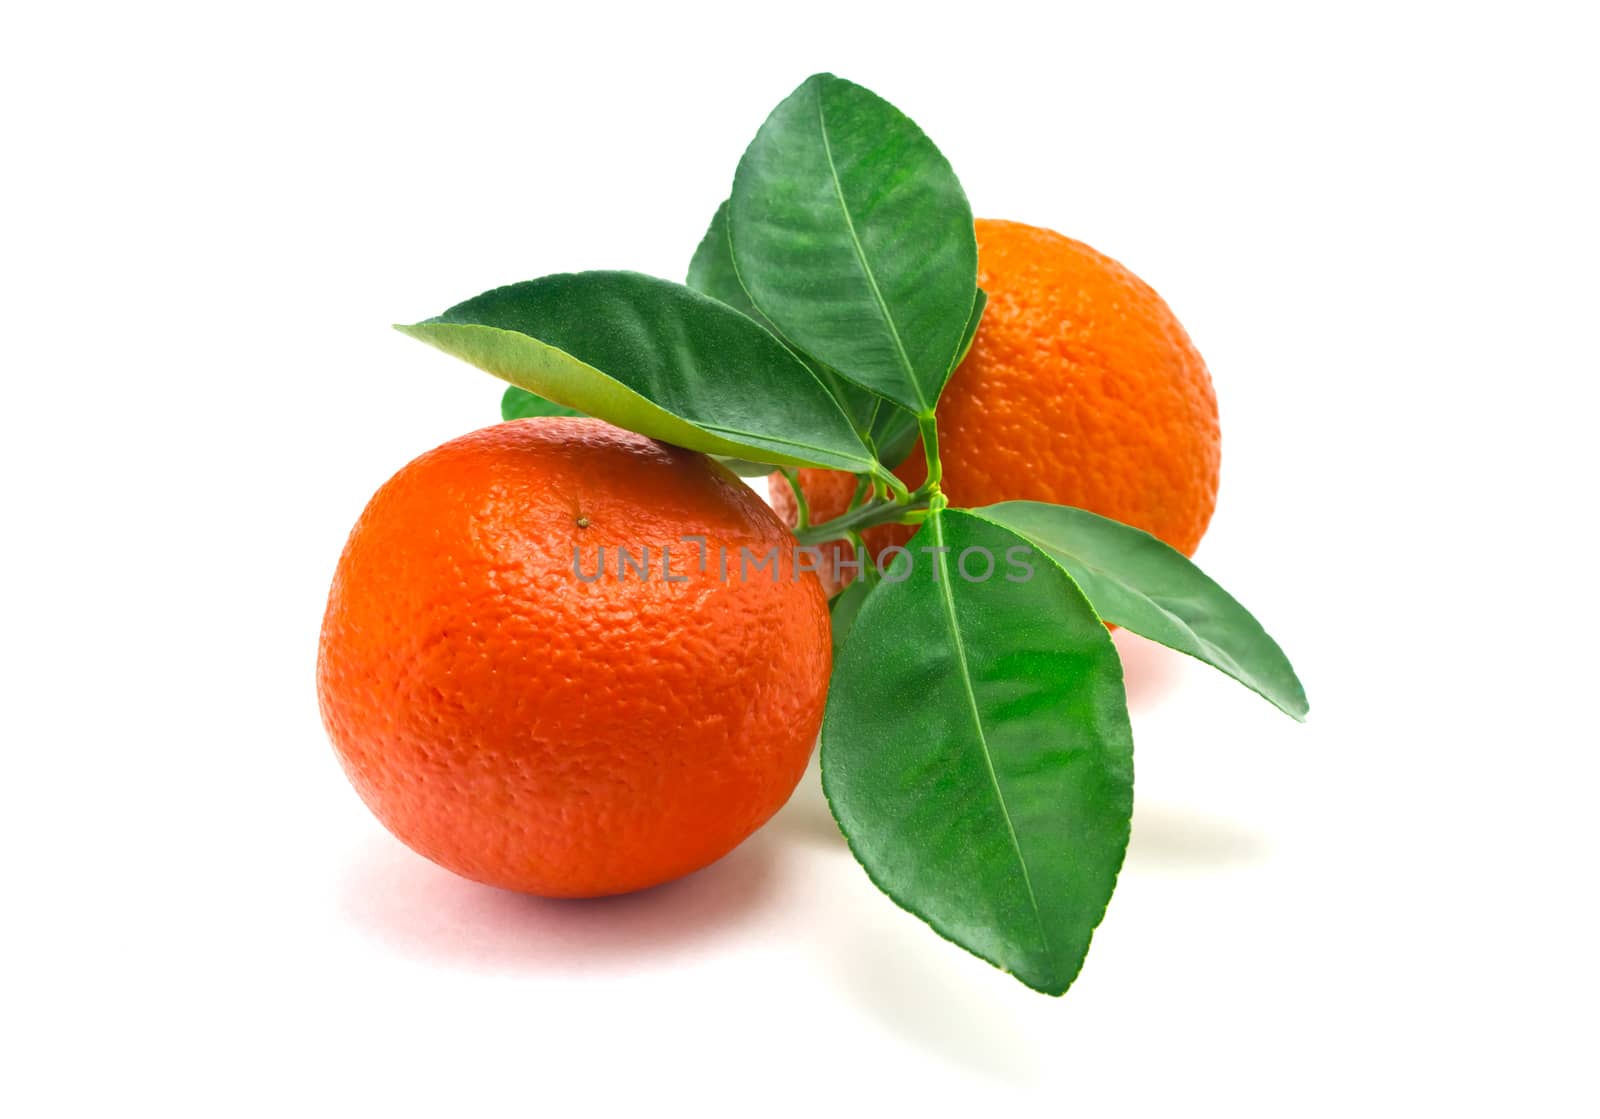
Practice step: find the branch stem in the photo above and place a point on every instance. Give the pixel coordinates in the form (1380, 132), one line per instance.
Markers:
(865, 516)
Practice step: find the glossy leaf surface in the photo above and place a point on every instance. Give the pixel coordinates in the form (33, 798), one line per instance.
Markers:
(851, 233)
(656, 358)
(893, 431)
(1138, 582)
(711, 273)
(976, 749)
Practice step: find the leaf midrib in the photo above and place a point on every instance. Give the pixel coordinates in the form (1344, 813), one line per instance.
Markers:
(1108, 576)
(1215, 655)
(751, 437)
(948, 601)
(1218, 655)
(752, 440)
(861, 257)
(1144, 596)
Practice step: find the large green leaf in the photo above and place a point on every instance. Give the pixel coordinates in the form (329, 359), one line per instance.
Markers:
(852, 234)
(520, 404)
(976, 748)
(656, 358)
(711, 273)
(1137, 581)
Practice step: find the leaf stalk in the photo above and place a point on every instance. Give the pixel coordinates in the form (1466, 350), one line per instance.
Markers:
(866, 516)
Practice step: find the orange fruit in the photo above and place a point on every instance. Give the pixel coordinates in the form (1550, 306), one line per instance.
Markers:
(531, 729)
(1081, 388)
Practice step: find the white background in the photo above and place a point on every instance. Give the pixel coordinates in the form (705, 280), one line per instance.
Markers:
(1379, 226)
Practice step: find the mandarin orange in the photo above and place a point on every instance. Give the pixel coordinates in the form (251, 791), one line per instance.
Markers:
(525, 724)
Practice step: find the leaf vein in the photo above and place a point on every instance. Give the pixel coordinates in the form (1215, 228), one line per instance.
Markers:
(861, 256)
(977, 721)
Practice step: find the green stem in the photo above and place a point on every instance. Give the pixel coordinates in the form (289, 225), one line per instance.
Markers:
(896, 486)
(866, 516)
(864, 490)
(930, 451)
(801, 505)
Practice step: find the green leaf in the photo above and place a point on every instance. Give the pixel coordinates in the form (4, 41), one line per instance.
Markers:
(1140, 583)
(520, 404)
(711, 273)
(744, 467)
(843, 608)
(980, 301)
(976, 749)
(893, 431)
(853, 236)
(711, 270)
(656, 358)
